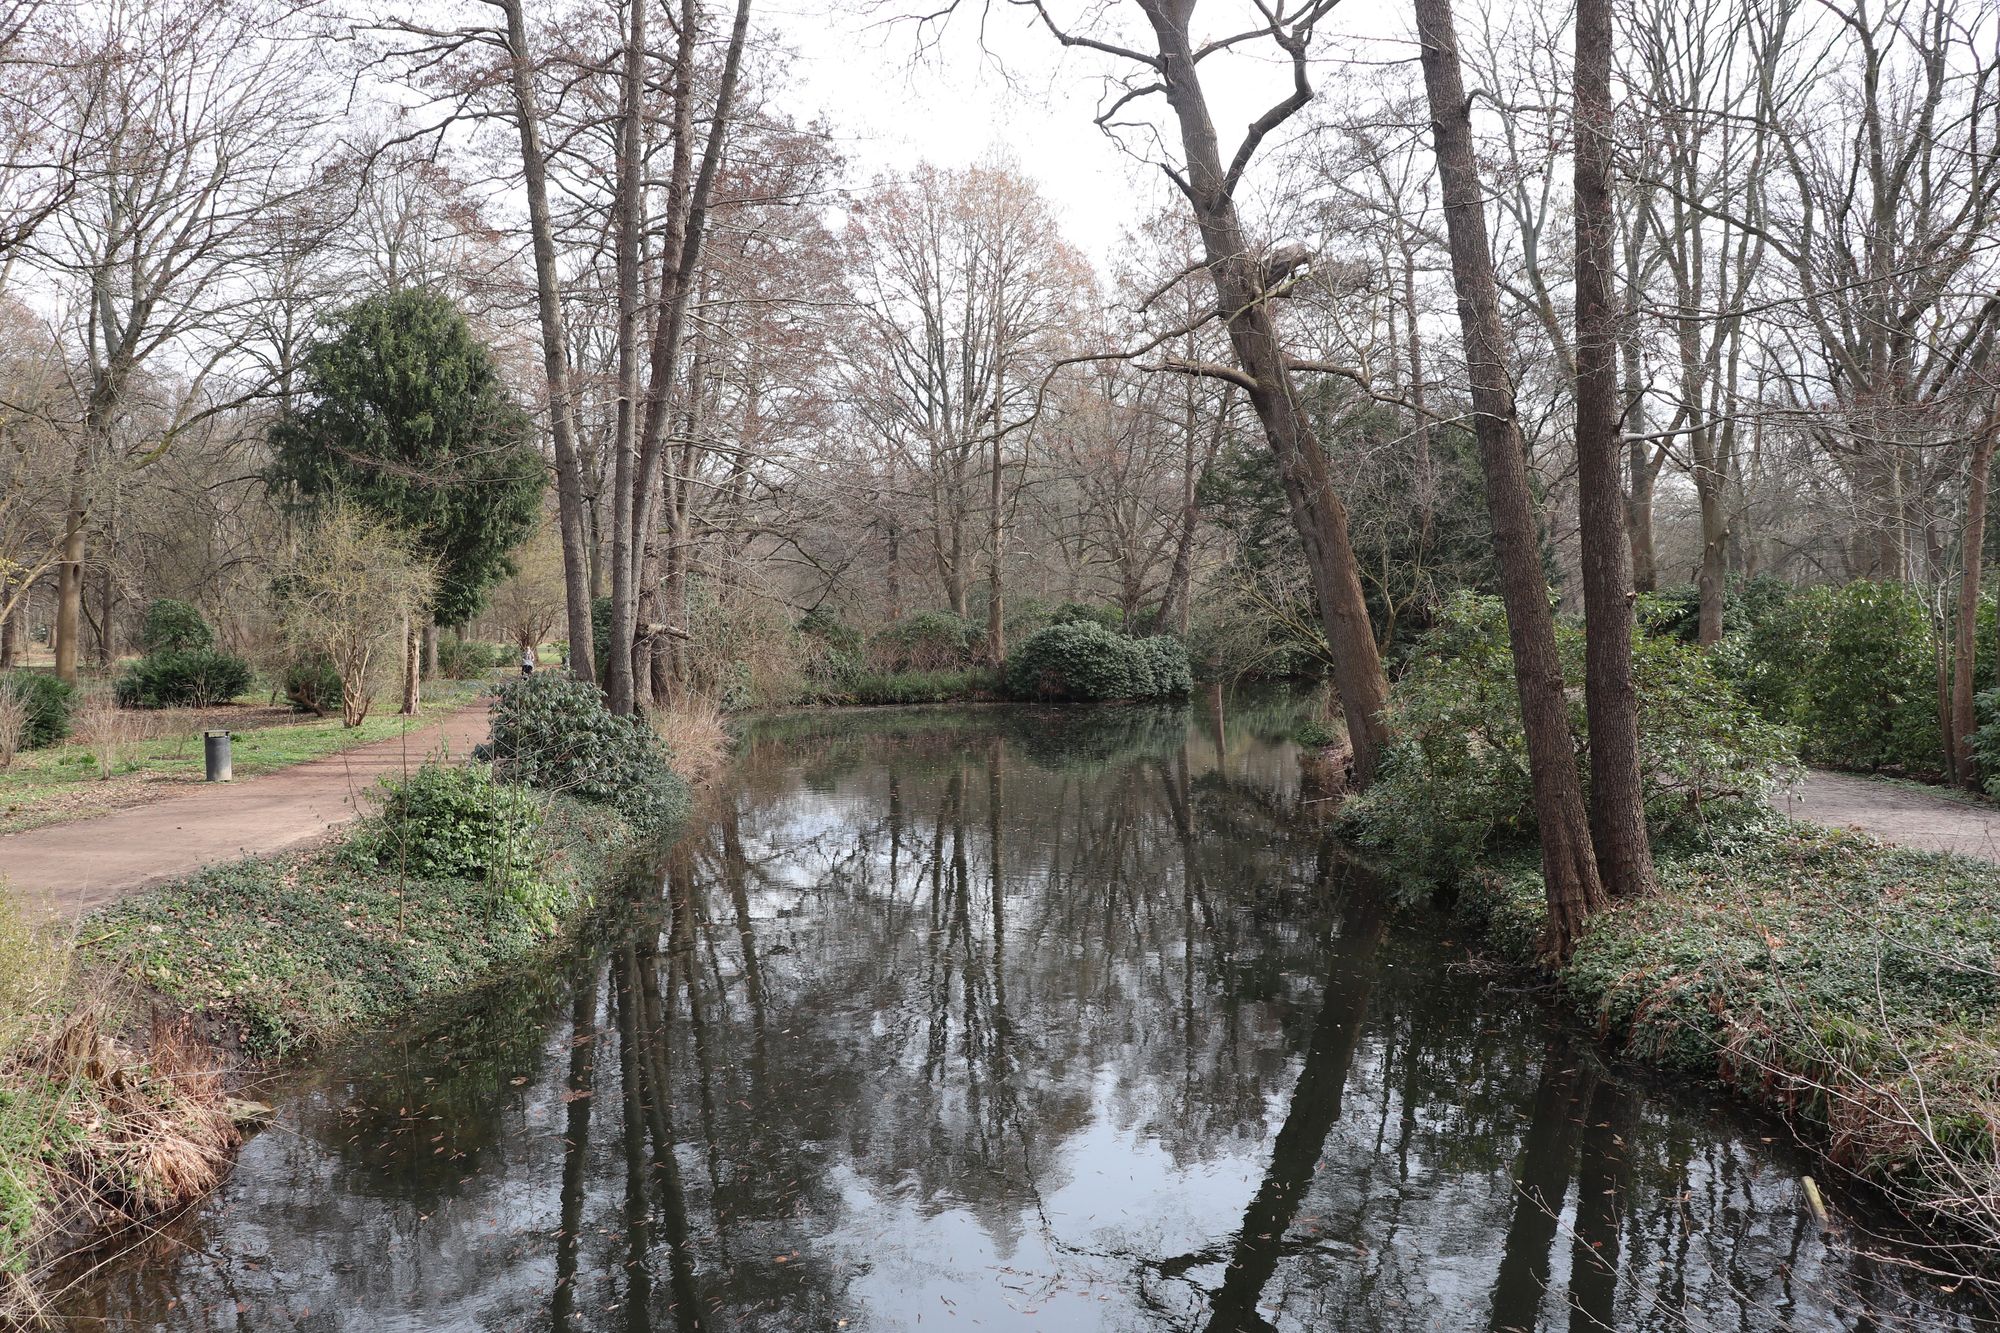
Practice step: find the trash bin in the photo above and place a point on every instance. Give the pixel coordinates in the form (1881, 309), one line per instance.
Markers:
(215, 749)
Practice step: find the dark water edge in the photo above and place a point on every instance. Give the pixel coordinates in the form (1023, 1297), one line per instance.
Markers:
(1036, 1018)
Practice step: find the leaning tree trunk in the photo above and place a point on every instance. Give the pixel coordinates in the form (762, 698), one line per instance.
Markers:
(1958, 746)
(1243, 300)
(1569, 865)
(1617, 795)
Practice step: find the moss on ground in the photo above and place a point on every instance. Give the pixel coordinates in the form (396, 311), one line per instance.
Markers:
(288, 952)
(1851, 986)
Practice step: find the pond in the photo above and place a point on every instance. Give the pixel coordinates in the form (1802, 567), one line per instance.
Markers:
(1008, 1019)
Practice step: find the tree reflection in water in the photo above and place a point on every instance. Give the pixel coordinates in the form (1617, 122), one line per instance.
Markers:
(1049, 1020)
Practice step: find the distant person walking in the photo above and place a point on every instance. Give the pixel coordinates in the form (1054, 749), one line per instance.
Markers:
(528, 661)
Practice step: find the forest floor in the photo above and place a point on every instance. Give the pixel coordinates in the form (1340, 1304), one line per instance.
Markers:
(64, 871)
(1901, 814)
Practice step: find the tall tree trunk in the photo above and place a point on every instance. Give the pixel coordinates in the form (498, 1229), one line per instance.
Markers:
(1617, 795)
(1241, 297)
(570, 502)
(1177, 604)
(1569, 865)
(107, 587)
(1972, 542)
(1712, 580)
(1641, 468)
(69, 595)
(996, 536)
(429, 667)
(627, 535)
(412, 665)
(893, 540)
(686, 227)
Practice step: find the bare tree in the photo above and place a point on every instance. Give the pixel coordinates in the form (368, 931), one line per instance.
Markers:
(194, 122)
(1247, 279)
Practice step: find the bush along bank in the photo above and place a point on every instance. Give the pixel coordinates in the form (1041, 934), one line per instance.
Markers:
(1850, 987)
(465, 870)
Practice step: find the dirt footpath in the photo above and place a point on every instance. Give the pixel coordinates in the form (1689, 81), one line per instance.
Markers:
(1898, 814)
(62, 872)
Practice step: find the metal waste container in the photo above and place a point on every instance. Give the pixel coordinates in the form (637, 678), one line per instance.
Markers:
(215, 750)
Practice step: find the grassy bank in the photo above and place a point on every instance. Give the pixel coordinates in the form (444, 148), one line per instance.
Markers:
(282, 954)
(109, 1111)
(114, 1065)
(1851, 987)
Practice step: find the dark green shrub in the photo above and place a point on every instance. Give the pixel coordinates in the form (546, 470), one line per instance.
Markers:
(312, 685)
(1313, 734)
(1746, 604)
(833, 648)
(925, 641)
(1078, 659)
(552, 731)
(1986, 738)
(172, 626)
(1095, 613)
(1854, 669)
(1167, 663)
(1453, 788)
(50, 702)
(183, 678)
(456, 821)
(1082, 660)
(464, 659)
(822, 624)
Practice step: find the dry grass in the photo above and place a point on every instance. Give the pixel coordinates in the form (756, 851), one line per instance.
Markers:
(109, 731)
(695, 737)
(95, 1131)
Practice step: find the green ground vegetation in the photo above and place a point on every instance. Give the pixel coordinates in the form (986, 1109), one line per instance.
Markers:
(1846, 985)
(1852, 987)
(65, 776)
(464, 871)
(287, 953)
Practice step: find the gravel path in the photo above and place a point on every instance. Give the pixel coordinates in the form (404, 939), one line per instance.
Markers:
(67, 870)
(1903, 815)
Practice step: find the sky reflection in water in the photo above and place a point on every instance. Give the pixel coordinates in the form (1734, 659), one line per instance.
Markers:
(1003, 1019)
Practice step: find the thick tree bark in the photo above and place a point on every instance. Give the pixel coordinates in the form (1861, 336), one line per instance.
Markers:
(1972, 541)
(570, 504)
(1617, 796)
(1244, 303)
(1569, 865)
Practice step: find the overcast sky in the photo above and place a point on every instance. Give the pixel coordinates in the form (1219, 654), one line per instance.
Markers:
(953, 107)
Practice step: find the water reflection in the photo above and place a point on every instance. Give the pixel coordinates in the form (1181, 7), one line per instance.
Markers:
(1035, 1019)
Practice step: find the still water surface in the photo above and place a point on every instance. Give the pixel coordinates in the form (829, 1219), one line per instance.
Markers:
(1005, 1019)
